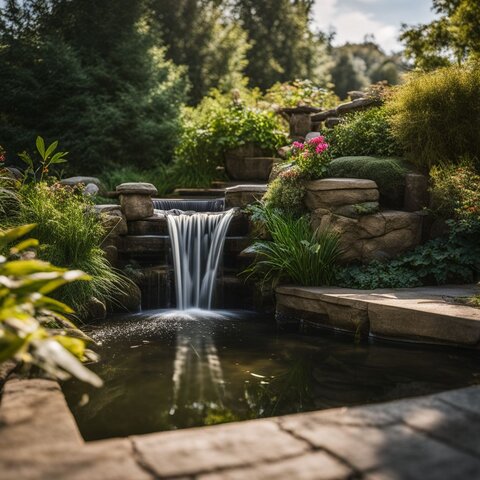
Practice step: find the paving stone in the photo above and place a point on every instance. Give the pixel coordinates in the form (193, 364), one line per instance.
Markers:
(340, 184)
(34, 414)
(104, 460)
(396, 448)
(311, 466)
(187, 452)
(466, 398)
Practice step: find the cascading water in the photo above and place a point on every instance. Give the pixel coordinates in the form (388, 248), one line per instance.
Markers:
(197, 243)
(210, 205)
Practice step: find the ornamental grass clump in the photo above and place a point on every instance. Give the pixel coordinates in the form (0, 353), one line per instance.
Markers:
(295, 253)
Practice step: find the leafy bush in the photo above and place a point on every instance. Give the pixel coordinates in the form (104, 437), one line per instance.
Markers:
(312, 157)
(295, 253)
(388, 173)
(26, 312)
(454, 259)
(364, 133)
(286, 192)
(70, 234)
(436, 116)
(456, 192)
(300, 92)
(216, 129)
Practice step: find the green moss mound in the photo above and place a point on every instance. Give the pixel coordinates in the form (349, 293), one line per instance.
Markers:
(388, 173)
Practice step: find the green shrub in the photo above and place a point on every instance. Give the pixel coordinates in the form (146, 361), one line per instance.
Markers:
(436, 116)
(286, 192)
(295, 253)
(300, 92)
(70, 234)
(456, 192)
(214, 128)
(388, 173)
(364, 133)
(26, 312)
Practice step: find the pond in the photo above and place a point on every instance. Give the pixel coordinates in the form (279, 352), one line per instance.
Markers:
(171, 370)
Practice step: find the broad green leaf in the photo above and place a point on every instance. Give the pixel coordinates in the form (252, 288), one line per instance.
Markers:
(40, 146)
(51, 149)
(8, 236)
(28, 267)
(29, 243)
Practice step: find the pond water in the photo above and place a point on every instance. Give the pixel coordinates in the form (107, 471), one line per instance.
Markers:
(171, 370)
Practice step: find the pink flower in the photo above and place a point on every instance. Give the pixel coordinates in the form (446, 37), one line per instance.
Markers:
(317, 140)
(321, 147)
(298, 145)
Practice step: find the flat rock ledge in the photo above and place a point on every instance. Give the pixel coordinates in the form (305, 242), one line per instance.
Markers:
(432, 437)
(425, 314)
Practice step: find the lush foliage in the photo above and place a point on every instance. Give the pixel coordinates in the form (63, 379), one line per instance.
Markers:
(436, 116)
(300, 92)
(364, 133)
(444, 260)
(388, 173)
(311, 158)
(30, 319)
(456, 193)
(90, 74)
(284, 46)
(207, 136)
(70, 235)
(286, 192)
(453, 35)
(295, 253)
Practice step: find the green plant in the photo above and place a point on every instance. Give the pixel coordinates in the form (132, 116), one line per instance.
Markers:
(286, 192)
(220, 127)
(311, 158)
(387, 173)
(296, 253)
(435, 116)
(26, 311)
(456, 192)
(48, 157)
(440, 261)
(300, 92)
(363, 133)
(70, 234)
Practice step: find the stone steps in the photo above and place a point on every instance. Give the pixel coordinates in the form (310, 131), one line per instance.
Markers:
(425, 314)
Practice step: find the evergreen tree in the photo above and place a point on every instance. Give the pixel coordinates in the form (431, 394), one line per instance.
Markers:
(87, 73)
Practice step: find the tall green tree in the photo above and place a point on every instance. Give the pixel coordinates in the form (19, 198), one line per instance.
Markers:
(284, 47)
(89, 74)
(202, 35)
(453, 37)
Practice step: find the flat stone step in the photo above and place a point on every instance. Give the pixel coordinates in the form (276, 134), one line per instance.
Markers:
(425, 314)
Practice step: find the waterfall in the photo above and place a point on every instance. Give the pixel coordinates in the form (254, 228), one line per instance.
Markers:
(197, 243)
(215, 205)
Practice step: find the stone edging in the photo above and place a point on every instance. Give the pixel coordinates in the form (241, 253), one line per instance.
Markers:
(429, 437)
(417, 314)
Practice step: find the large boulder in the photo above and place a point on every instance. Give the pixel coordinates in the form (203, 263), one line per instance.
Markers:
(82, 180)
(243, 195)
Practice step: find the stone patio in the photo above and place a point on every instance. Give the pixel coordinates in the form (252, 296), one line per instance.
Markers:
(433, 437)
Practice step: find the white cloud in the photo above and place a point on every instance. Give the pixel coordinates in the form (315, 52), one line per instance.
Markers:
(352, 25)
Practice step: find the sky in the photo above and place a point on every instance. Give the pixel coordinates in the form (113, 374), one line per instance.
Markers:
(353, 19)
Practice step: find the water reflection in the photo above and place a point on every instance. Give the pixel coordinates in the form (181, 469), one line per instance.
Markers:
(169, 370)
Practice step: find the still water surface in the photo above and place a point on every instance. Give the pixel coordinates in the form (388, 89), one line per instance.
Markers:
(164, 371)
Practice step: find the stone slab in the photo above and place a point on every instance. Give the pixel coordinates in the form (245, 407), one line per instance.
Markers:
(340, 184)
(137, 188)
(188, 452)
(413, 314)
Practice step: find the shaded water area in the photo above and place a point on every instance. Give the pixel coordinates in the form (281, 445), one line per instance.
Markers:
(171, 370)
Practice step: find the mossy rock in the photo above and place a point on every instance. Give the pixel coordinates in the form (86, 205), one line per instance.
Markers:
(388, 173)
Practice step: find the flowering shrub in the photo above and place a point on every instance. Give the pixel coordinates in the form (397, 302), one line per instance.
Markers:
(286, 192)
(312, 157)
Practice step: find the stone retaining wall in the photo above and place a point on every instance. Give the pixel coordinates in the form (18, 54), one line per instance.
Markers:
(350, 207)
